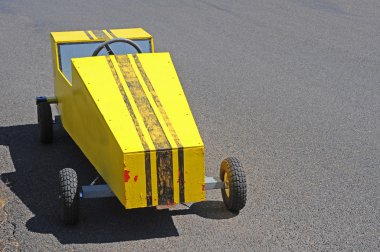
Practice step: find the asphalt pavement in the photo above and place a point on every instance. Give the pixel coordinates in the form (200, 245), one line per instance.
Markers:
(290, 87)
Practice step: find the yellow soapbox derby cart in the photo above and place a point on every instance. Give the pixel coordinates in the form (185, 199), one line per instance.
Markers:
(123, 105)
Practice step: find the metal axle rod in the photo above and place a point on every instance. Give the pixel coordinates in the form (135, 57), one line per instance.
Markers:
(48, 99)
(103, 191)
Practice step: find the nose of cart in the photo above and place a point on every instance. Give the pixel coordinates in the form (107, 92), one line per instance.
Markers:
(164, 177)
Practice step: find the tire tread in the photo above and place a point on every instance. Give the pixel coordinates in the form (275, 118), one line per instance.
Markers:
(237, 184)
(69, 196)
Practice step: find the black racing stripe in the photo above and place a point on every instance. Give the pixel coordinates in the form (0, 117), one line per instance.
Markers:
(89, 35)
(100, 34)
(148, 179)
(111, 33)
(164, 163)
(181, 164)
(163, 148)
(158, 103)
(139, 132)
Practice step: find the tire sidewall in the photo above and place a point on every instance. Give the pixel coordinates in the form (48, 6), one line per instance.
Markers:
(225, 167)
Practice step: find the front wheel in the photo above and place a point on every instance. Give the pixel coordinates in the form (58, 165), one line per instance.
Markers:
(69, 196)
(234, 192)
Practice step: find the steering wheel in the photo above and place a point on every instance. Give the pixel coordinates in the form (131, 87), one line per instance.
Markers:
(111, 41)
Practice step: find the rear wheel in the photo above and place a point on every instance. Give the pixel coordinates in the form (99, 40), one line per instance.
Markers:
(45, 122)
(235, 191)
(69, 196)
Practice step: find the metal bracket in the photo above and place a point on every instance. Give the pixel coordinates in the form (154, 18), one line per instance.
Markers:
(96, 191)
(213, 183)
(51, 99)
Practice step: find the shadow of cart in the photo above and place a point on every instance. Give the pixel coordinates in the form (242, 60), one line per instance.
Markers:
(35, 182)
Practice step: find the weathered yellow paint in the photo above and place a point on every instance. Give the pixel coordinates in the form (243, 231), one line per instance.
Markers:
(133, 33)
(108, 34)
(194, 174)
(80, 36)
(69, 36)
(164, 78)
(109, 100)
(129, 146)
(135, 189)
(109, 123)
(92, 130)
(153, 104)
(165, 81)
(92, 35)
(130, 194)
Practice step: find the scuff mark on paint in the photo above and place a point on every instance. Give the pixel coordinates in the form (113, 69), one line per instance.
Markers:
(136, 178)
(203, 187)
(126, 176)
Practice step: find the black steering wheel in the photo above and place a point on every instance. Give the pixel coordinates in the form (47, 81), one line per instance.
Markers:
(111, 41)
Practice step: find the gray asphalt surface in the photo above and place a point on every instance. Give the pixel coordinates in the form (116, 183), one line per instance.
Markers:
(291, 87)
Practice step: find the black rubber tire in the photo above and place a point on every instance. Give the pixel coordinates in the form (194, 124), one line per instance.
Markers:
(45, 122)
(69, 196)
(237, 184)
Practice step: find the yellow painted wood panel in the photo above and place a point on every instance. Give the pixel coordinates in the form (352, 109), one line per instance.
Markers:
(87, 127)
(100, 82)
(161, 72)
(135, 180)
(194, 174)
(96, 35)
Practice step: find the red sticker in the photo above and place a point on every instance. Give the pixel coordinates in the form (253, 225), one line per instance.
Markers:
(126, 176)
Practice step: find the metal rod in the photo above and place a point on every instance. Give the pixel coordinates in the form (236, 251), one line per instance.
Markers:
(103, 191)
(96, 191)
(48, 99)
(93, 182)
(213, 183)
